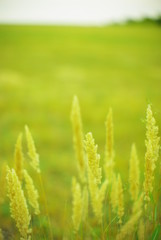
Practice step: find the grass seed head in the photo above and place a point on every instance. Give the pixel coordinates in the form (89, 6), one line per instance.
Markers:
(93, 158)
(18, 205)
(32, 150)
(32, 193)
(151, 155)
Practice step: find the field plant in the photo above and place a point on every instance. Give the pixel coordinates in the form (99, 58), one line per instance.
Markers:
(23, 195)
(103, 207)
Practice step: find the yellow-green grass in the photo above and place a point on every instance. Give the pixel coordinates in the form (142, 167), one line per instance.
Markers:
(42, 67)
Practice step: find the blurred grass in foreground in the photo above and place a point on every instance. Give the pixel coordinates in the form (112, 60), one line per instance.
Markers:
(42, 67)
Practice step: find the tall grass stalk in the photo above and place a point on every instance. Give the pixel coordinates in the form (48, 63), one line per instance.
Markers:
(34, 157)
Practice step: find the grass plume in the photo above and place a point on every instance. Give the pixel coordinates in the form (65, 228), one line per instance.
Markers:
(34, 156)
(93, 158)
(18, 205)
(32, 193)
(151, 156)
(94, 177)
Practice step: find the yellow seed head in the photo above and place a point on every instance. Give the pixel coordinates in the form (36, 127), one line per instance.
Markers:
(134, 174)
(18, 205)
(152, 133)
(77, 205)
(93, 158)
(93, 188)
(120, 200)
(94, 177)
(78, 137)
(152, 151)
(32, 150)
(97, 196)
(32, 193)
(109, 152)
(114, 195)
(18, 157)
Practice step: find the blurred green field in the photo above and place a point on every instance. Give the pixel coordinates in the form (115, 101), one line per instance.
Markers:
(42, 67)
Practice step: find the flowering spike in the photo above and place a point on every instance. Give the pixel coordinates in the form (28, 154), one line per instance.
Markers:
(78, 137)
(152, 151)
(18, 205)
(32, 150)
(32, 193)
(93, 158)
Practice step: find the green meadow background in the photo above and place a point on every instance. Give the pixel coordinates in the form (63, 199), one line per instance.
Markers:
(43, 67)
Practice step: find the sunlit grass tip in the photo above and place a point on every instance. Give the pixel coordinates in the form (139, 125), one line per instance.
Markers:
(32, 150)
(32, 193)
(94, 177)
(93, 158)
(151, 155)
(18, 205)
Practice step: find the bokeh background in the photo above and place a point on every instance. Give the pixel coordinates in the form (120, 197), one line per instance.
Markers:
(51, 51)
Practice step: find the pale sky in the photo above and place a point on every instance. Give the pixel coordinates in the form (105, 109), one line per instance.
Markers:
(82, 12)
